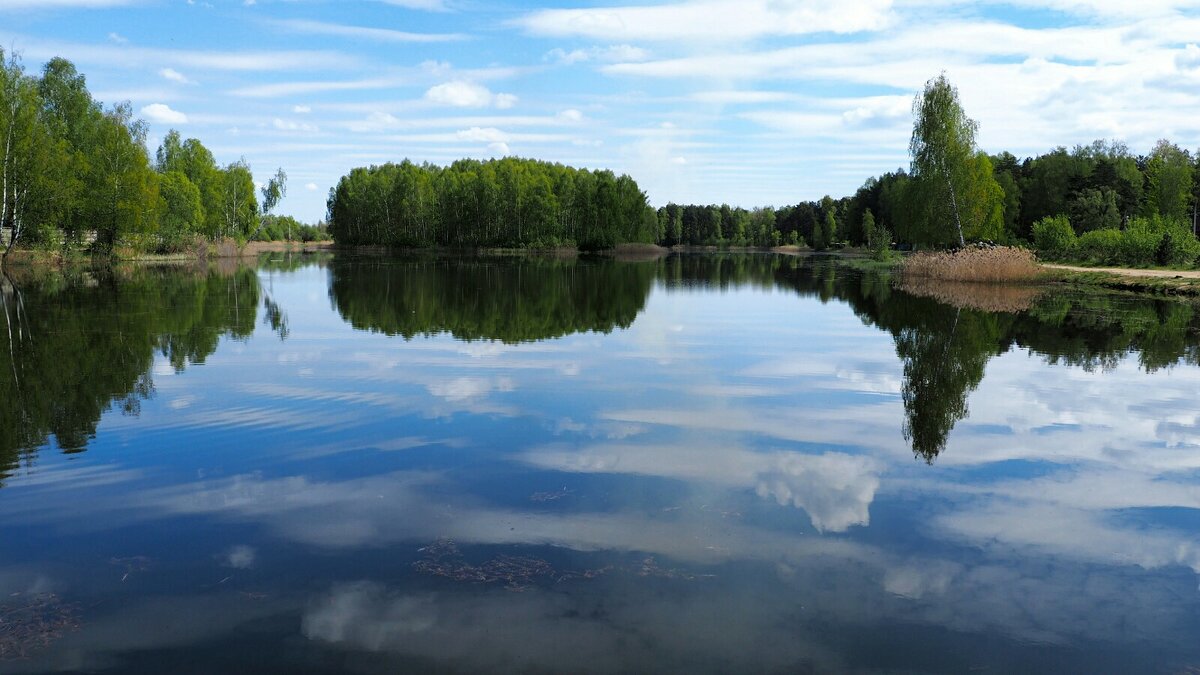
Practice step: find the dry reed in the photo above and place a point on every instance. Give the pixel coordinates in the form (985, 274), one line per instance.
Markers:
(974, 263)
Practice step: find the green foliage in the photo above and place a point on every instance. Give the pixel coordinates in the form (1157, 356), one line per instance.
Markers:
(1169, 177)
(75, 171)
(497, 203)
(982, 204)
(944, 165)
(1146, 242)
(879, 240)
(287, 228)
(1054, 237)
(180, 213)
(1100, 246)
(1095, 209)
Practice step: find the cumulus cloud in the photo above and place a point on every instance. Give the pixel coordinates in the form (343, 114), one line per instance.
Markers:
(464, 94)
(175, 76)
(161, 113)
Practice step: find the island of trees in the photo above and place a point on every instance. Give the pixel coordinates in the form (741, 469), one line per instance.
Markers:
(499, 203)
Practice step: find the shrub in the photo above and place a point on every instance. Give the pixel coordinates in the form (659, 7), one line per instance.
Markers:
(1100, 246)
(974, 263)
(1177, 247)
(1054, 237)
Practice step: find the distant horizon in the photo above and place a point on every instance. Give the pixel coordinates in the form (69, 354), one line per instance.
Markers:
(747, 103)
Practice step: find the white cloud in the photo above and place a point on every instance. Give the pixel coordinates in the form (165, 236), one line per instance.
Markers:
(612, 54)
(311, 187)
(280, 89)
(292, 125)
(364, 32)
(112, 37)
(504, 101)
(427, 5)
(301, 109)
(463, 94)
(175, 76)
(161, 113)
(571, 115)
(712, 20)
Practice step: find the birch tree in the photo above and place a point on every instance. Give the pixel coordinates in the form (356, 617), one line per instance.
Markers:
(942, 149)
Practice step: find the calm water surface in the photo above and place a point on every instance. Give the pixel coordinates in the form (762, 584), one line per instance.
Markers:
(697, 464)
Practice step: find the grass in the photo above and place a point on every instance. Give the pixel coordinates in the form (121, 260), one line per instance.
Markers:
(974, 264)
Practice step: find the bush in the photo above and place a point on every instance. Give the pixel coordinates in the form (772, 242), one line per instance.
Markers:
(1146, 242)
(1054, 237)
(1139, 243)
(1100, 246)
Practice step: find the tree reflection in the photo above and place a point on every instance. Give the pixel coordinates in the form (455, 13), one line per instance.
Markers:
(490, 299)
(75, 346)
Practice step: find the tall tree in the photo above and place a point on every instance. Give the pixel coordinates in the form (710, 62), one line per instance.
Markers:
(239, 208)
(121, 180)
(1169, 175)
(943, 150)
(272, 193)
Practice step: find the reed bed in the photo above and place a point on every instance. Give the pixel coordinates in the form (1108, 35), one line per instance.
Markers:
(974, 263)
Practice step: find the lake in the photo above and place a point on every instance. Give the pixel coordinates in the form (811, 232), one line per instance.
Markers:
(703, 463)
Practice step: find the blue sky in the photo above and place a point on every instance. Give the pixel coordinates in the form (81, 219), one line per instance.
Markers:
(749, 102)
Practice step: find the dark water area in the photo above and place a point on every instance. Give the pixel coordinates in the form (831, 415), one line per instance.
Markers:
(704, 463)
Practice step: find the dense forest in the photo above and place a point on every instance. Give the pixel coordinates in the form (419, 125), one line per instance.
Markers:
(513, 202)
(1095, 187)
(497, 203)
(77, 173)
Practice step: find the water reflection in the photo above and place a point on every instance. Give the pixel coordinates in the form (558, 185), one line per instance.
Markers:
(704, 472)
(75, 345)
(78, 344)
(490, 299)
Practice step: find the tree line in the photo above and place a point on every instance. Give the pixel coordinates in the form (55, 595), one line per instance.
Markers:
(506, 202)
(1098, 201)
(74, 172)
